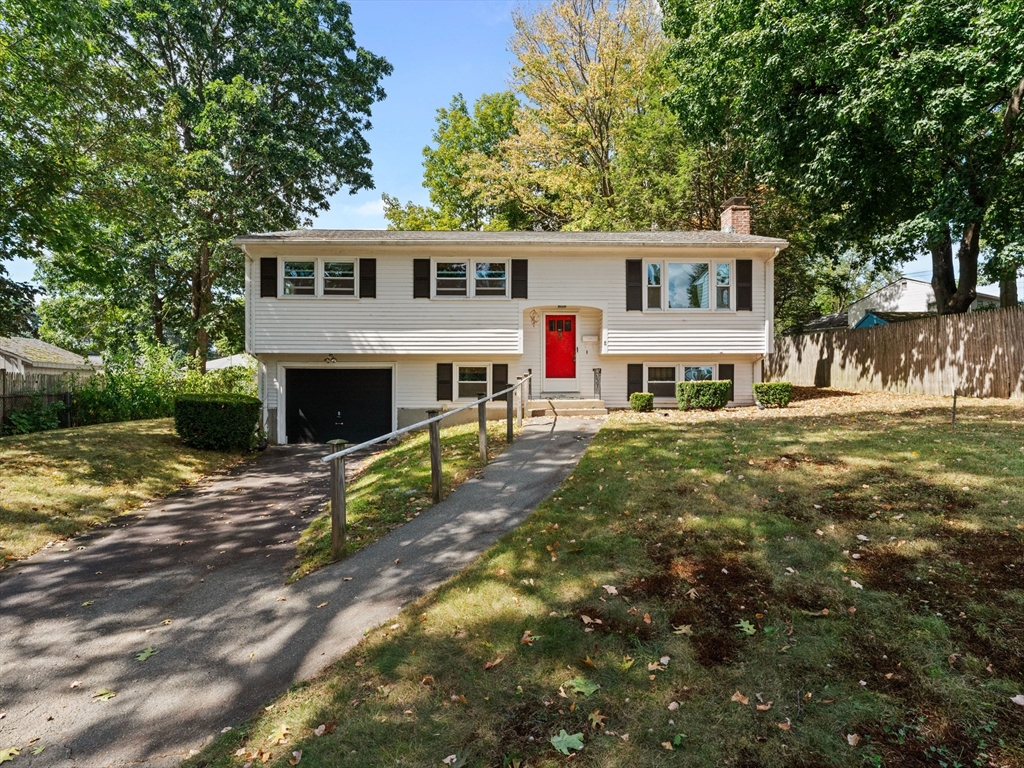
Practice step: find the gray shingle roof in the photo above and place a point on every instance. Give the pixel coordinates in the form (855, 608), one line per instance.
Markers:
(40, 353)
(389, 237)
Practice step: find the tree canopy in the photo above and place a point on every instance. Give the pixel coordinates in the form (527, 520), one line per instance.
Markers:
(895, 124)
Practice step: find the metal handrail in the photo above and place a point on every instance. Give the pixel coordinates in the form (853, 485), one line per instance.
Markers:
(426, 422)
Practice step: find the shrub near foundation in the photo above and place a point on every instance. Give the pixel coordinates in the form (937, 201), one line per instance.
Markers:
(641, 401)
(773, 394)
(703, 395)
(217, 422)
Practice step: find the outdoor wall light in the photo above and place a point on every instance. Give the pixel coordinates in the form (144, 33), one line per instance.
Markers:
(330, 359)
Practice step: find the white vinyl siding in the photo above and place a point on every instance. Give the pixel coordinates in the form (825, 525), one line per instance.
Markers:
(589, 284)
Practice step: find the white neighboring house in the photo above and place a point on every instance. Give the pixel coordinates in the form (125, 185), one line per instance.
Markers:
(907, 295)
(28, 357)
(360, 332)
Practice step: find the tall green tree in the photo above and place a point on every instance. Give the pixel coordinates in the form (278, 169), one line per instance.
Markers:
(896, 123)
(460, 136)
(264, 105)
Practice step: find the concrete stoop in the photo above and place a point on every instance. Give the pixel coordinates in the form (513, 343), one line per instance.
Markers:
(565, 407)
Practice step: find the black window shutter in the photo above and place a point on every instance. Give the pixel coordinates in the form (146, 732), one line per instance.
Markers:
(368, 278)
(745, 285)
(268, 278)
(519, 279)
(727, 371)
(444, 381)
(421, 281)
(634, 378)
(634, 287)
(499, 374)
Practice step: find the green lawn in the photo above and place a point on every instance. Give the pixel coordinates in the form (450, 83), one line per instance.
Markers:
(395, 487)
(56, 484)
(837, 584)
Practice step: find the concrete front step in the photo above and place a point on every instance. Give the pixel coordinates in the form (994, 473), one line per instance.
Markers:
(565, 407)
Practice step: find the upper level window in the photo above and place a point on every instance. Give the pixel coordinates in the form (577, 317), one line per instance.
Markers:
(490, 278)
(722, 285)
(300, 278)
(339, 278)
(451, 278)
(688, 285)
(654, 286)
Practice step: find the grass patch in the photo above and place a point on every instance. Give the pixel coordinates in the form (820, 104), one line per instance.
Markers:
(395, 487)
(59, 483)
(848, 564)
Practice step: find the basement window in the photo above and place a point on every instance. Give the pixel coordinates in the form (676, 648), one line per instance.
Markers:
(472, 382)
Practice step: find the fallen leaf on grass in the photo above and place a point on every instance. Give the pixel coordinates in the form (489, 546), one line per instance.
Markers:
(295, 758)
(151, 651)
(320, 730)
(655, 667)
(673, 706)
(647, 618)
(39, 750)
(281, 735)
(666, 745)
(323, 604)
(493, 664)
(610, 589)
(427, 680)
(784, 726)
(853, 739)
(582, 685)
(528, 638)
(563, 741)
(597, 719)
(739, 698)
(856, 585)
(746, 627)
(1018, 699)
(683, 629)
(104, 694)
(764, 707)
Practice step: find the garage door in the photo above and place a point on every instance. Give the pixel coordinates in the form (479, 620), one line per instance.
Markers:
(324, 404)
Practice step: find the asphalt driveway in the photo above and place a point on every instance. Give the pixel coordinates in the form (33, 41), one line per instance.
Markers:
(200, 578)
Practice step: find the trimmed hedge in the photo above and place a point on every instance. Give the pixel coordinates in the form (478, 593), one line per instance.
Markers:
(773, 394)
(703, 395)
(218, 422)
(641, 401)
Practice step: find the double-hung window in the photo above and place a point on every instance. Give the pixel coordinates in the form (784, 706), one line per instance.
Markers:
(472, 381)
(466, 278)
(339, 278)
(661, 380)
(451, 278)
(299, 278)
(689, 285)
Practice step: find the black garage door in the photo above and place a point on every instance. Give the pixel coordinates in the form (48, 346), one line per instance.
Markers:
(329, 403)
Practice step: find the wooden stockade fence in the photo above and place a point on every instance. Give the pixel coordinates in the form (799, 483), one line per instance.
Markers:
(19, 391)
(978, 354)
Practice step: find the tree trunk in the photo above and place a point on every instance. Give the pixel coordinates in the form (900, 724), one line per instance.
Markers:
(156, 305)
(954, 297)
(202, 300)
(1008, 291)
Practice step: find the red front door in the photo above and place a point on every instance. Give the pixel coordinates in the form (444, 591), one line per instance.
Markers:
(560, 347)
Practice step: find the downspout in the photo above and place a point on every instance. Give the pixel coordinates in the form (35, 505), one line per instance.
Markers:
(769, 301)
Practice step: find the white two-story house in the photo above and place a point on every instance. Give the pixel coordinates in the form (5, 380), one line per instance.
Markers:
(361, 332)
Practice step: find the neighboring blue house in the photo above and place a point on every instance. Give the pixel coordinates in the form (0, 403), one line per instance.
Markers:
(877, 317)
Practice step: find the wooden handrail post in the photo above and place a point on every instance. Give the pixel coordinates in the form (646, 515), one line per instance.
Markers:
(509, 430)
(337, 500)
(481, 417)
(435, 457)
(521, 403)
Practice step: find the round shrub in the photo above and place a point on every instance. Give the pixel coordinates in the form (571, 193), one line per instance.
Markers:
(641, 401)
(773, 394)
(218, 422)
(703, 395)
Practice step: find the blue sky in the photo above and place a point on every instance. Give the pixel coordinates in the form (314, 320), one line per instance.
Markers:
(438, 48)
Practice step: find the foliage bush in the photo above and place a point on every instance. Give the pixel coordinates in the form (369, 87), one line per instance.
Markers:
(703, 395)
(221, 422)
(641, 401)
(37, 417)
(144, 384)
(773, 394)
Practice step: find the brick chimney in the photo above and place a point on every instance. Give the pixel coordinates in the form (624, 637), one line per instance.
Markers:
(736, 216)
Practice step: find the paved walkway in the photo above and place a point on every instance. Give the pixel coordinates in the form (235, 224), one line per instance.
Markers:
(201, 579)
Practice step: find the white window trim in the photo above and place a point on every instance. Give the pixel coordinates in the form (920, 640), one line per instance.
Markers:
(455, 375)
(713, 285)
(318, 278)
(470, 278)
(680, 372)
